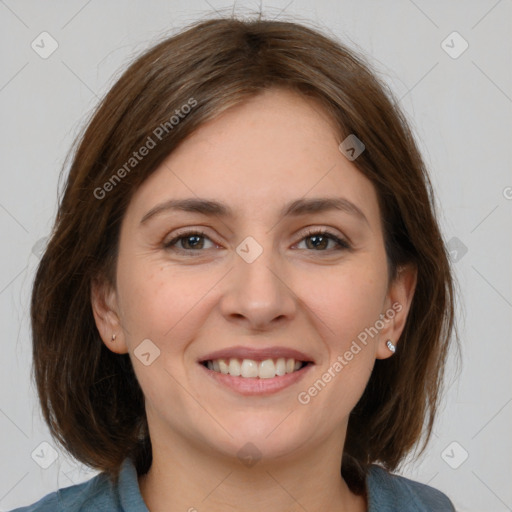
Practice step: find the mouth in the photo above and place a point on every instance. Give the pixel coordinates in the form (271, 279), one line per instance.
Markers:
(251, 371)
(250, 368)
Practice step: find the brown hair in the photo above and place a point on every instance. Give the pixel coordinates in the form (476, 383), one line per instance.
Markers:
(90, 396)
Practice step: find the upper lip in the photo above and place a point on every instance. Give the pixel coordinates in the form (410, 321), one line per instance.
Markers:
(256, 354)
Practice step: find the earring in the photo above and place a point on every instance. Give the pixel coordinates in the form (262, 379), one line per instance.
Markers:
(390, 345)
(113, 337)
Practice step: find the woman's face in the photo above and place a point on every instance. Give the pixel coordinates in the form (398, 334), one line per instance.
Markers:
(256, 280)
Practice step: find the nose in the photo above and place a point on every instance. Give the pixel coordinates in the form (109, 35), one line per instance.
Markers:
(258, 295)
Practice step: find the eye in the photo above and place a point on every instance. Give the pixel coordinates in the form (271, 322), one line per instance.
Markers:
(321, 238)
(190, 241)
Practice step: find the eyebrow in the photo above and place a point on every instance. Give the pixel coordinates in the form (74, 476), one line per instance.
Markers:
(293, 209)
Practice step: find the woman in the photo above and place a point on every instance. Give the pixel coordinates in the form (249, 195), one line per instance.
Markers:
(246, 289)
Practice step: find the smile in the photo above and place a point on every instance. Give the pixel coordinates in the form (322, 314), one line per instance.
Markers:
(249, 368)
(250, 382)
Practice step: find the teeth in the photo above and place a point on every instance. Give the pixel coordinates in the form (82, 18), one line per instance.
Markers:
(267, 369)
(223, 366)
(281, 366)
(234, 367)
(249, 368)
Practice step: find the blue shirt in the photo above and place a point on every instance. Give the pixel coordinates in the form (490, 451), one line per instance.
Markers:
(386, 493)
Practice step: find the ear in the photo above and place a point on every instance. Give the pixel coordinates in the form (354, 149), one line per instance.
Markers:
(106, 315)
(396, 308)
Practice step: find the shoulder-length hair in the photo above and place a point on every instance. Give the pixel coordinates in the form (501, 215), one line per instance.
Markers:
(90, 397)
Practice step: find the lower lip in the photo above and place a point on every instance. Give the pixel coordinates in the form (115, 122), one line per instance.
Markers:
(255, 385)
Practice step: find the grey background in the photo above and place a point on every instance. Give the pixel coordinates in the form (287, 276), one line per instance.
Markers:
(460, 110)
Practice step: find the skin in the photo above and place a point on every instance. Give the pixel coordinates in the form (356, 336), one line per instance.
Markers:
(255, 157)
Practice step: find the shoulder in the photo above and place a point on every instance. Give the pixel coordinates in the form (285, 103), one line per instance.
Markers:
(94, 494)
(388, 492)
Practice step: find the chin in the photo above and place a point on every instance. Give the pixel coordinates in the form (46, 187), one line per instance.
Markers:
(261, 437)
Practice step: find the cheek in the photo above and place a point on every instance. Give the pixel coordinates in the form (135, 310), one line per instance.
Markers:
(161, 304)
(352, 305)
(349, 301)
(349, 375)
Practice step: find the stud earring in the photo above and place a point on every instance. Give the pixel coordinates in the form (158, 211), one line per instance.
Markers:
(390, 345)
(113, 337)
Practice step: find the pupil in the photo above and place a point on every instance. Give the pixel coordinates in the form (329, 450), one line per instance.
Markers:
(196, 237)
(317, 237)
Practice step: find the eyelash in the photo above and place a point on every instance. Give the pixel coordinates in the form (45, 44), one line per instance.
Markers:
(342, 244)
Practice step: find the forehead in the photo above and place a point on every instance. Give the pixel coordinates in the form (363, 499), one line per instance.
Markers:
(257, 156)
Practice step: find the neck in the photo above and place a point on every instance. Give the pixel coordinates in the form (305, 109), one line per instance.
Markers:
(186, 477)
